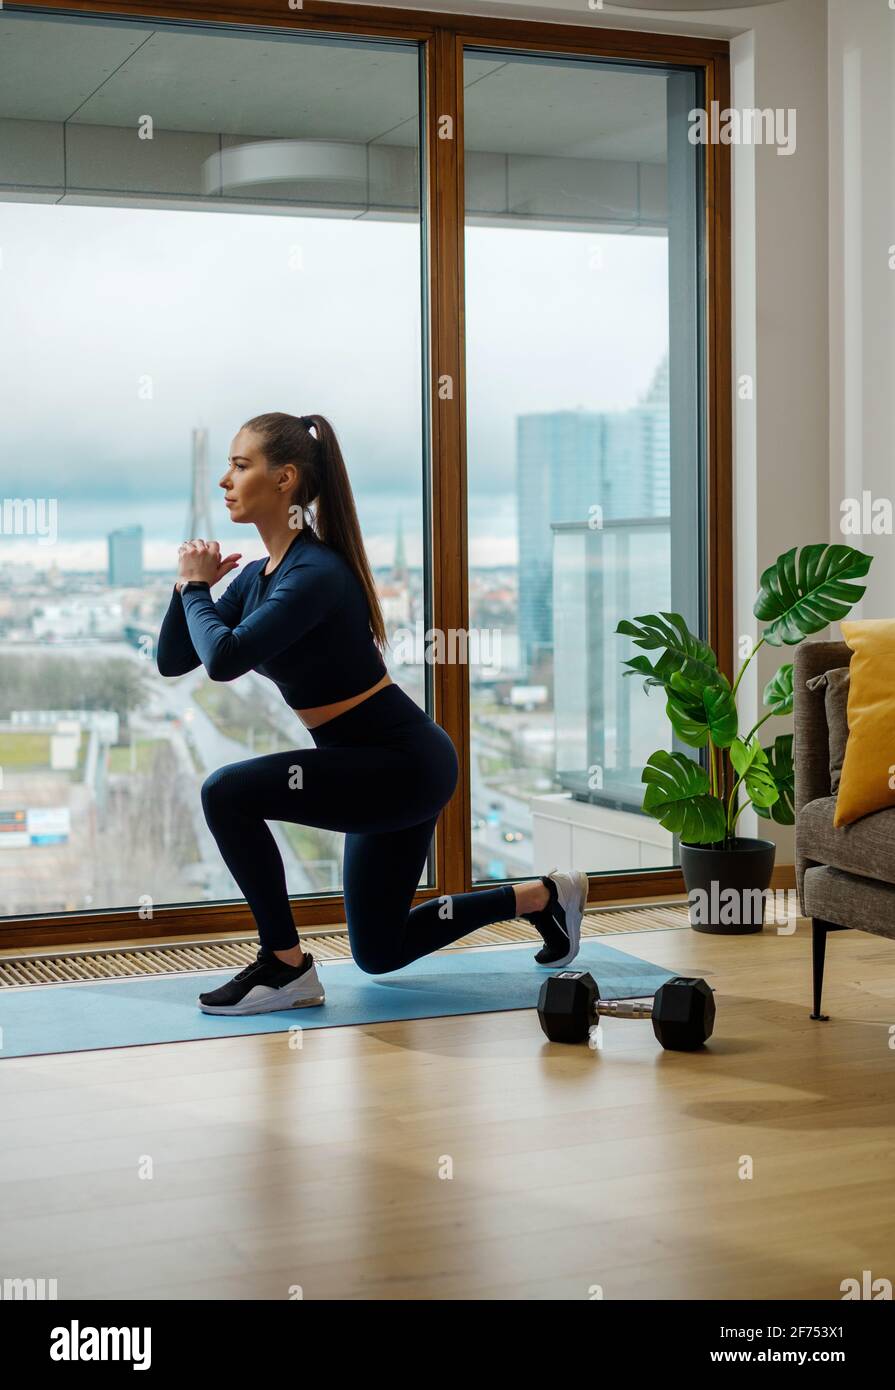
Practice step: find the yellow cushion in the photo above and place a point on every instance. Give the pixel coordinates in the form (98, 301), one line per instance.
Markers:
(868, 770)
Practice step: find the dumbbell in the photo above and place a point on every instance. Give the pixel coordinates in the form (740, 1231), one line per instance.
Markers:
(682, 1011)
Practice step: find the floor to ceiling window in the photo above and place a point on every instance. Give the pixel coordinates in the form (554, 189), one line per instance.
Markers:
(206, 226)
(584, 466)
(201, 222)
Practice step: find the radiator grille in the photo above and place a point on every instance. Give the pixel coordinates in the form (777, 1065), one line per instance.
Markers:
(121, 962)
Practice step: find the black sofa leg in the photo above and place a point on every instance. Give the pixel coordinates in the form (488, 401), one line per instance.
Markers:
(819, 929)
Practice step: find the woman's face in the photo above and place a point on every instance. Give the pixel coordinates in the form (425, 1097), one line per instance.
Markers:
(252, 491)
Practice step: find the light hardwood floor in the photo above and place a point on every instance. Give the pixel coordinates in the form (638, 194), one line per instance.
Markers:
(321, 1167)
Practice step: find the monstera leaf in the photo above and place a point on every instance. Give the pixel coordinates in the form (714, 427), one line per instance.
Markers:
(801, 597)
(750, 763)
(679, 798)
(781, 768)
(682, 651)
(801, 593)
(778, 691)
(698, 711)
(655, 675)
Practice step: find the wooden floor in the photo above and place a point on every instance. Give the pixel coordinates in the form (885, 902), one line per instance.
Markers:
(323, 1168)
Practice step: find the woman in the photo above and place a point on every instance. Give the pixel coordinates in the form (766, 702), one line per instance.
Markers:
(308, 617)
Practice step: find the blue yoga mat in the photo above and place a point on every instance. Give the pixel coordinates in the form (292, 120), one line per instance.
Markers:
(146, 1011)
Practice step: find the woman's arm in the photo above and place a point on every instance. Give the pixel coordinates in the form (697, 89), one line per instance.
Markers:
(175, 653)
(301, 599)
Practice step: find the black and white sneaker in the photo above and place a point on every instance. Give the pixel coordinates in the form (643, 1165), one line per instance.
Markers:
(560, 921)
(265, 986)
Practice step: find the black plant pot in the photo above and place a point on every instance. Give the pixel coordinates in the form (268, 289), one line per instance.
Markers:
(727, 884)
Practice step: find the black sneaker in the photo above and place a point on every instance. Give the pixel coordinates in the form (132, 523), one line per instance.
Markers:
(560, 921)
(265, 986)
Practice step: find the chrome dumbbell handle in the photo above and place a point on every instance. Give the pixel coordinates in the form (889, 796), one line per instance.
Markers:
(624, 1008)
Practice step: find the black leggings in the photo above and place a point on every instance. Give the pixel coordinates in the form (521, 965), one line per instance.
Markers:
(381, 772)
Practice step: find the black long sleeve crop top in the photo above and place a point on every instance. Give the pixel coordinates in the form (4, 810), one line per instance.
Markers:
(306, 626)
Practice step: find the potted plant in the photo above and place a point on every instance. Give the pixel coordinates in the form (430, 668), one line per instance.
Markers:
(727, 873)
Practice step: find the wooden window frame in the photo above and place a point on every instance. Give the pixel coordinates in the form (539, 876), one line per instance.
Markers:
(443, 38)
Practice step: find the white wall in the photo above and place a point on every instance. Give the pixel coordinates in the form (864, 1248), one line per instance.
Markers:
(781, 448)
(862, 286)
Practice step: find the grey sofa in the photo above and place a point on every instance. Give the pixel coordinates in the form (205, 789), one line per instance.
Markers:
(845, 876)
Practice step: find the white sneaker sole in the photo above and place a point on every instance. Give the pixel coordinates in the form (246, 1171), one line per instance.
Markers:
(571, 892)
(301, 994)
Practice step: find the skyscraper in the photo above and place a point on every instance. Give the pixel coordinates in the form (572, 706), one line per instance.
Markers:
(399, 565)
(125, 570)
(572, 465)
(199, 517)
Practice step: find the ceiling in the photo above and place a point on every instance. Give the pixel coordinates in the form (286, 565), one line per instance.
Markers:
(193, 78)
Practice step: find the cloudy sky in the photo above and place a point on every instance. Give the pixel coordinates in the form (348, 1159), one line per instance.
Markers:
(216, 317)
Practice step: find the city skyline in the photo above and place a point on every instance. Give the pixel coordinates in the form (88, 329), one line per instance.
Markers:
(615, 431)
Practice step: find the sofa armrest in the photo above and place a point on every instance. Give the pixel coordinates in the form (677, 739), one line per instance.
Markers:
(811, 737)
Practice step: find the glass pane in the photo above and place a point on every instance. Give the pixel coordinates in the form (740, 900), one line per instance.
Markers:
(584, 417)
(197, 225)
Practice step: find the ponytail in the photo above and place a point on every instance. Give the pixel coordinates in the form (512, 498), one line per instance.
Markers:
(324, 478)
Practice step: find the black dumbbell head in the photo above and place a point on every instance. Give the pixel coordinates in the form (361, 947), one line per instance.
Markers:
(683, 1014)
(567, 1005)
